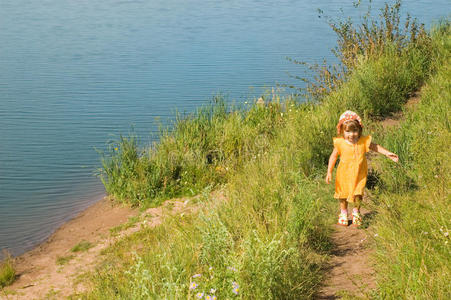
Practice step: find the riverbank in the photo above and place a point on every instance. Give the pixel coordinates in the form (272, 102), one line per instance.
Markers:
(47, 266)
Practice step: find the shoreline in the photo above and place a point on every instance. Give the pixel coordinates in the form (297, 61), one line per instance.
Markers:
(33, 243)
(92, 224)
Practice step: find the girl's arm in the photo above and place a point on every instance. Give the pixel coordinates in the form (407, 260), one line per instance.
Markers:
(379, 149)
(332, 160)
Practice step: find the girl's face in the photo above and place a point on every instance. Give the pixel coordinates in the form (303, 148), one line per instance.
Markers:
(351, 136)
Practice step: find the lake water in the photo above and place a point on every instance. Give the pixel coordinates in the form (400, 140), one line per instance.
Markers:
(74, 74)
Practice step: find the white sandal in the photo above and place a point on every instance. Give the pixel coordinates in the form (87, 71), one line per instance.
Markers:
(343, 219)
(356, 219)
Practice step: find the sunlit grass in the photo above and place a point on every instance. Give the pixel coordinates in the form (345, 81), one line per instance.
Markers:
(270, 237)
(7, 271)
(130, 223)
(82, 246)
(413, 223)
(62, 260)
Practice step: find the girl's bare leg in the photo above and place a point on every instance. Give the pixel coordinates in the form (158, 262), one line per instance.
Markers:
(358, 201)
(356, 216)
(343, 205)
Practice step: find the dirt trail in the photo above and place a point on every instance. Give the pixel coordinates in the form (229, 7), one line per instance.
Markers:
(350, 272)
(41, 276)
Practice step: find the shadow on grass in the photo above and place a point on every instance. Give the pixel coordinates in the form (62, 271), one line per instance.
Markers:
(368, 219)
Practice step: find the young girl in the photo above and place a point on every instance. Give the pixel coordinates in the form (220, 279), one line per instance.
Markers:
(352, 169)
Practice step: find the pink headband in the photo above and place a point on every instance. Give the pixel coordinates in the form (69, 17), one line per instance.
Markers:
(348, 116)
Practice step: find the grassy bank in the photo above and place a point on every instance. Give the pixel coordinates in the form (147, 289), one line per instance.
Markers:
(412, 227)
(269, 239)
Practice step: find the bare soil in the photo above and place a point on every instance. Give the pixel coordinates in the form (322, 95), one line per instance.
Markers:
(349, 271)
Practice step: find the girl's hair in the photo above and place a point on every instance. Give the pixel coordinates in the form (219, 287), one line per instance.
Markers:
(351, 125)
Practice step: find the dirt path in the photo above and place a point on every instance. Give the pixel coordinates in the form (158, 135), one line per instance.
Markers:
(51, 269)
(349, 272)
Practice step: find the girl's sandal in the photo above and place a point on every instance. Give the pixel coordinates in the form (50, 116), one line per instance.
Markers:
(356, 219)
(343, 219)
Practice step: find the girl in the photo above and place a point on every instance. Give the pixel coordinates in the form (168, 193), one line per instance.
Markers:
(352, 169)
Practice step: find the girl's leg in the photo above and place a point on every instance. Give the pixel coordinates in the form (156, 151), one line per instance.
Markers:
(344, 206)
(358, 201)
(356, 216)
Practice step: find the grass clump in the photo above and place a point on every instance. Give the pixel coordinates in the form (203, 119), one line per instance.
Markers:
(7, 271)
(378, 48)
(232, 252)
(62, 260)
(130, 223)
(82, 246)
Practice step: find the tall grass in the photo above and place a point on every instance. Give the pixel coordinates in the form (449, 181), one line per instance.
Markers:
(413, 225)
(264, 238)
(369, 47)
(268, 240)
(382, 64)
(7, 271)
(200, 151)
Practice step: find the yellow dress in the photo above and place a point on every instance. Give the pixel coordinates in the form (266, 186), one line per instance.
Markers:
(352, 169)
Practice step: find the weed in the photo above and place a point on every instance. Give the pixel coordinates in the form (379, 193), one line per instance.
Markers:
(130, 223)
(62, 260)
(82, 246)
(7, 271)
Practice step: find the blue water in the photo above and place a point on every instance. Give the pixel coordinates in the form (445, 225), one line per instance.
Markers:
(74, 74)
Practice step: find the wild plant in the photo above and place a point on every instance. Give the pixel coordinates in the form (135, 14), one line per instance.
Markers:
(7, 271)
(358, 43)
(369, 39)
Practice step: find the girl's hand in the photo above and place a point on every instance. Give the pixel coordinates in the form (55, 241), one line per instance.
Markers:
(328, 177)
(393, 157)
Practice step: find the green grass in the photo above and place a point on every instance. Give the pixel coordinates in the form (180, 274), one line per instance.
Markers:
(130, 223)
(271, 236)
(413, 223)
(62, 260)
(7, 272)
(82, 246)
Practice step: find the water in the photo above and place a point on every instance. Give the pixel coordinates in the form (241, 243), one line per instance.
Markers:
(74, 73)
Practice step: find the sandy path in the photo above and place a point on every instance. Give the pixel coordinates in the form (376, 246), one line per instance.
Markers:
(39, 274)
